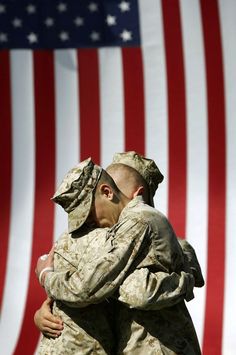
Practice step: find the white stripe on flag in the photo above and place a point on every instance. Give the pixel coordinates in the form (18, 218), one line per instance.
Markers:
(228, 29)
(67, 123)
(197, 151)
(111, 103)
(155, 92)
(22, 210)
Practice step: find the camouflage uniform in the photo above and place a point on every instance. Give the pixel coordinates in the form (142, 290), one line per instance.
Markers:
(192, 260)
(86, 330)
(148, 169)
(140, 231)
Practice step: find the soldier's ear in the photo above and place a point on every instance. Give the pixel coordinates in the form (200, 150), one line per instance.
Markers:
(106, 191)
(139, 191)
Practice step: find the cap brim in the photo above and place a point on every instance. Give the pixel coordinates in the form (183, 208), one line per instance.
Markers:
(79, 215)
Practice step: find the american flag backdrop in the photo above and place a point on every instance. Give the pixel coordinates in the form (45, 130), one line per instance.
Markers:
(91, 78)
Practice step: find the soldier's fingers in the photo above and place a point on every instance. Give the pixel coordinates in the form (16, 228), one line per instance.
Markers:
(47, 325)
(51, 252)
(49, 317)
(51, 333)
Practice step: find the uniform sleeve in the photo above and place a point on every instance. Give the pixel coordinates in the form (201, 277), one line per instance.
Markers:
(102, 276)
(192, 260)
(153, 291)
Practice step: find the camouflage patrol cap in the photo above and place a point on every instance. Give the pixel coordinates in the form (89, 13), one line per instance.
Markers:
(146, 167)
(75, 193)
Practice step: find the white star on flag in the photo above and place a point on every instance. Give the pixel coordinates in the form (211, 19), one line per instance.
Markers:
(126, 35)
(64, 36)
(124, 6)
(17, 22)
(3, 37)
(95, 36)
(93, 7)
(2, 8)
(31, 9)
(62, 7)
(49, 22)
(111, 20)
(79, 21)
(32, 37)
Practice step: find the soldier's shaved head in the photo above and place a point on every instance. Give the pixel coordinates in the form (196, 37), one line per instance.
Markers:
(128, 180)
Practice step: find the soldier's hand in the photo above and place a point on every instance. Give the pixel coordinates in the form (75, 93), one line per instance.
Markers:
(46, 322)
(44, 265)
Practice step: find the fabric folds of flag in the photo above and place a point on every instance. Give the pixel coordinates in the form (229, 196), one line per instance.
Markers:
(91, 78)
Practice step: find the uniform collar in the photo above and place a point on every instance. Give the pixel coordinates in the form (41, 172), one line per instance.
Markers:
(133, 203)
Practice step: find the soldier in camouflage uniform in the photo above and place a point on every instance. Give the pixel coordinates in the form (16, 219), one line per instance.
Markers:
(152, 175)
(162, 255)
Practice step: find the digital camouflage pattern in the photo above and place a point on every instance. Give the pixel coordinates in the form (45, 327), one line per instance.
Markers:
(192, 260)
(86, 330)
(75, 193)
(168, 331)
(152, 175)
(143, 238)
(146, 290)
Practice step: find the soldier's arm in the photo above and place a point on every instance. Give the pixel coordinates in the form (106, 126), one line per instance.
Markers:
(163, 278)
(146, 290)
(192, 260)
(152, 291)
(100, 278)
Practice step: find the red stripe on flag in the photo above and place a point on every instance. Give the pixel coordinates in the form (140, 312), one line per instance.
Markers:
(44, 189)
(89, 100)
(176, 115)
(134, 99)
(5, 158)
(217, 179)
